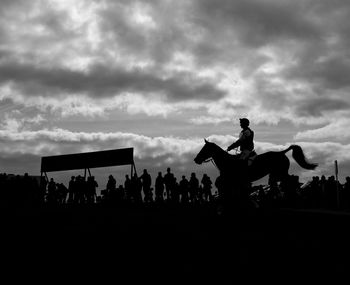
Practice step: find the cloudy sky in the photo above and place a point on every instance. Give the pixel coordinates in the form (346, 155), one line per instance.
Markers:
(161, 75)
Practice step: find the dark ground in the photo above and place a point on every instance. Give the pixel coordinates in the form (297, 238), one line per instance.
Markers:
(168, 245)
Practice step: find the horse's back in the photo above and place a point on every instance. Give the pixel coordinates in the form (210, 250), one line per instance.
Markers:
(267, 163)
(270, 156)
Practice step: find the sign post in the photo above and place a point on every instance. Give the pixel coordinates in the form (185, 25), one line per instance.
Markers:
(337, 183)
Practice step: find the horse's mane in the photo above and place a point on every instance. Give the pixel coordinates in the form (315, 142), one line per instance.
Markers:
(221, 150)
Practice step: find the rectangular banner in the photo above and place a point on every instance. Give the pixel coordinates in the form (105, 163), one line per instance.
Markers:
(85, 160)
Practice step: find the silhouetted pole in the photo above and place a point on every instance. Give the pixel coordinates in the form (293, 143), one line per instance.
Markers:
(41, 179)
(336, 181)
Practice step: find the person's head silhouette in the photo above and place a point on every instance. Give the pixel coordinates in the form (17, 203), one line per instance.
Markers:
(244, 123)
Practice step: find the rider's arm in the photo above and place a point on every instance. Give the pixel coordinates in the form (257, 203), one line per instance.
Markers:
(232, 146)
(243, 136)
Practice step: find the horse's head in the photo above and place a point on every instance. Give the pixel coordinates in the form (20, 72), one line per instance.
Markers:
(205, 153)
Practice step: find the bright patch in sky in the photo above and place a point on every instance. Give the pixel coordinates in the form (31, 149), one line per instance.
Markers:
(160, 76)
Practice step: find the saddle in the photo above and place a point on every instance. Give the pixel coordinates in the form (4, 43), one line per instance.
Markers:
(248, 161)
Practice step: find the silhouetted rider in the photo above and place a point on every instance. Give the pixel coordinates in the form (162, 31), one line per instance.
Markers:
(245, 141)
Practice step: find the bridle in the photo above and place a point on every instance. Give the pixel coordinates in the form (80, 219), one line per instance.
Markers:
(213, 162)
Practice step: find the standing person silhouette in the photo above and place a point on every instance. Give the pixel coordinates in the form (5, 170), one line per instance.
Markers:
(169, 181)
(207, 185)
(146, 186)
(245, 142)
(71, 190)
(193, 187)
(159, 188)
(128, 188)
(184, 187)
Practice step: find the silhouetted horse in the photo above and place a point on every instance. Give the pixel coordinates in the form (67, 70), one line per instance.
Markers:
(273, 163)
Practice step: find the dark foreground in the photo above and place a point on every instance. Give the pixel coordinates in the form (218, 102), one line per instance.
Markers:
(169, 245)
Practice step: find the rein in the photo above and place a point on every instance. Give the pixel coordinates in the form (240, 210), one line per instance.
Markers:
(212, 161)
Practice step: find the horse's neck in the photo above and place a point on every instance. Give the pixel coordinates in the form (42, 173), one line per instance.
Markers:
(220, 158)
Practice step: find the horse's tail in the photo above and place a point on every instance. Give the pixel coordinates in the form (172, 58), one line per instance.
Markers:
(300, 158)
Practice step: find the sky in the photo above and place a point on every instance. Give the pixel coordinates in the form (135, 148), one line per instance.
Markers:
(160, 75)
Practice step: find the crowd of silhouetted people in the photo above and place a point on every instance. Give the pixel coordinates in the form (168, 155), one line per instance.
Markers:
(132, 189)
(33, 191)
(319, 193)
(20, 190)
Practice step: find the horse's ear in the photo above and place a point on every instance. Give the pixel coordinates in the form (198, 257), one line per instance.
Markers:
(205, 141)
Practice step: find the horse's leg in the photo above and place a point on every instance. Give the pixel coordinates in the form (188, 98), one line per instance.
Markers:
(231, 191)
(279, 167)
(284, 175)
(230, 195)
(279, 174)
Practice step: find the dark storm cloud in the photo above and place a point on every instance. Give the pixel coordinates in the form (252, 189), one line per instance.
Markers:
(158, 43)
(213, 32)
(233, 31)
(227, 33)
(316, 107)
(32, 71)
(101, 81)
(5, 5)
(322, 61)
(310, 40)
(306, 40)
(258, 22)
(330, 73)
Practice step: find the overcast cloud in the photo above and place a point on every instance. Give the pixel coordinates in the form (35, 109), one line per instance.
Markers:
(195, 65)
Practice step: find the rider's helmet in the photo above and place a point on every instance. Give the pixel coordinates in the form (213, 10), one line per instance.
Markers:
(244, 122)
